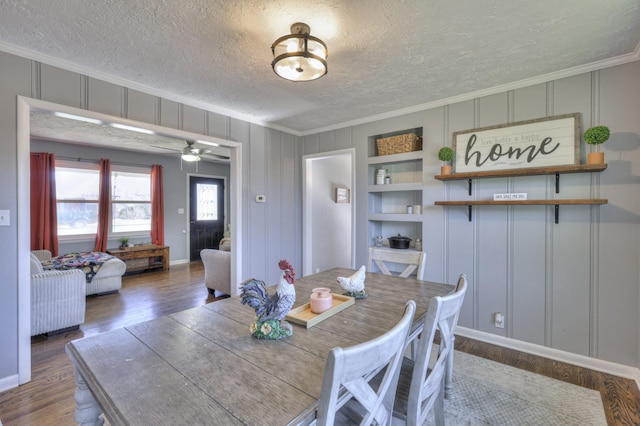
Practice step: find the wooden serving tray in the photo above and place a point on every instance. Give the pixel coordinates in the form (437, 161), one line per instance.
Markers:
(302, 315)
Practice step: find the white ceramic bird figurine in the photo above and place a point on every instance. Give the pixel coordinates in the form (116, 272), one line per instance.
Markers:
(354, 284)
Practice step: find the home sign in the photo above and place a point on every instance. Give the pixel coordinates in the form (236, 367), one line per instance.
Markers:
(549, 141)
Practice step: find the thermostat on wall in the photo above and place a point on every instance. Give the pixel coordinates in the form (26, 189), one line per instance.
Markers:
(261, 198)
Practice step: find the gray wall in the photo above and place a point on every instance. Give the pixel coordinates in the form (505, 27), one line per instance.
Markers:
(572, 286)
(270, 166)
(175, 190)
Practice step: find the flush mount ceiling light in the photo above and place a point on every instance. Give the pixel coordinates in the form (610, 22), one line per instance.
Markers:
(299, 56)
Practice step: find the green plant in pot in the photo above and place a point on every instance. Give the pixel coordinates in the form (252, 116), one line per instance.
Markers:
(445, 154)
(595, 136)
(124, 242)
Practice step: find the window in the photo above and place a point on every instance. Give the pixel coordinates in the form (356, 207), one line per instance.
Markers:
(77, 188)
(77, 200)
(130, 201)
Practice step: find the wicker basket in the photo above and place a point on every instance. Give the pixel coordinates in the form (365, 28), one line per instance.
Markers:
(399, 144)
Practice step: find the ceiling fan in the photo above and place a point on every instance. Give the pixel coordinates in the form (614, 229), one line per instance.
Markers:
(190, 153)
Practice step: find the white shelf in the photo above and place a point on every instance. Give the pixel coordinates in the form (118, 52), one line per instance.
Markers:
(394, 187)
(395, 158)
(395, 217)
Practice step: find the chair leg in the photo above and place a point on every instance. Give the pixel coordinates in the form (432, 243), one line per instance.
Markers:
(448, 375)
(438, 407)
(211, 291)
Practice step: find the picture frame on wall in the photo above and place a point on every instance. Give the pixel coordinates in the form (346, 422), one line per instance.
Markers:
(342, 195)
(542, 142)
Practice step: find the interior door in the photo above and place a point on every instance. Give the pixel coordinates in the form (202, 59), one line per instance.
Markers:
(206, 210)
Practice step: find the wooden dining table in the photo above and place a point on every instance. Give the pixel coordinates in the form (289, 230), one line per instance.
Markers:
(202, 366)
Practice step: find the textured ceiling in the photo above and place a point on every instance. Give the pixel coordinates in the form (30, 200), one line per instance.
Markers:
(384, 55)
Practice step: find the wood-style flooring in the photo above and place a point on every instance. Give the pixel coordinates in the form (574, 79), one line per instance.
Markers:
(49, 398)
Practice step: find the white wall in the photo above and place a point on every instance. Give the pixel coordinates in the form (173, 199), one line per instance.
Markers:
(572, 286)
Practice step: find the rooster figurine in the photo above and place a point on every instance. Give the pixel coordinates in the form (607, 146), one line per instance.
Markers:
(354, 284)
(270, 310)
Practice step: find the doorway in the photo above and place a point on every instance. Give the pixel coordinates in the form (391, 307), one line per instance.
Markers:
(328, 215)
(24, 107)
(206, 214)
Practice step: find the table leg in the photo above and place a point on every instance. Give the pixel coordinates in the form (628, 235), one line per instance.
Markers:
(87, 411)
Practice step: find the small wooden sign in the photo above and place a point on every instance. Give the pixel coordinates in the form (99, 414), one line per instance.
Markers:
(550, 141)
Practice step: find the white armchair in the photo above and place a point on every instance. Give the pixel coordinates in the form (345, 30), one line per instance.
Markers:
(217, 270)
(58, 300)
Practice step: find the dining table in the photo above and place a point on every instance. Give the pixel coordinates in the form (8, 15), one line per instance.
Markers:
(202, 366)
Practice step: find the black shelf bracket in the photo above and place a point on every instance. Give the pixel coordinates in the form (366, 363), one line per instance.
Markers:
(557, 212)
(470, 209)
(557, 184)
(469, 189)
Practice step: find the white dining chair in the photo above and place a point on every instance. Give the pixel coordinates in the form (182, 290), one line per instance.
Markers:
(413, 261)
(448, 380)
(349, 370)
(421, 381)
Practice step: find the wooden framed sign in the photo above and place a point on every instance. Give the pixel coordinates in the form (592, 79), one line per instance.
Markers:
(550, 141)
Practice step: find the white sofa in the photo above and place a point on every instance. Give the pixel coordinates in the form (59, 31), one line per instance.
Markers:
(107, 280)
(58, 299)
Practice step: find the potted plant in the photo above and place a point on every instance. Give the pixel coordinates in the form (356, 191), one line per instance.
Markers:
(595, 136)
(124, 242)
(445, 154)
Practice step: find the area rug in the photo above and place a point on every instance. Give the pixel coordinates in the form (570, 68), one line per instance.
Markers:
(489, 393)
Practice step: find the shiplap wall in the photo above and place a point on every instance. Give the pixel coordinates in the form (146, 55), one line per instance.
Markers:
(270, 166)
(573, 286)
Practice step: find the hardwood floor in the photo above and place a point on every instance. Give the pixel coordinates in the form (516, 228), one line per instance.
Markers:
(49, 398)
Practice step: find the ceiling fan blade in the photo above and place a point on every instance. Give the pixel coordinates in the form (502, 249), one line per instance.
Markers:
(222, 157)
(164, 147)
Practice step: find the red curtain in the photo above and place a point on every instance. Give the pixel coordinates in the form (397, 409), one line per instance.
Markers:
(104, 201)
(157, 206)
(44, 219)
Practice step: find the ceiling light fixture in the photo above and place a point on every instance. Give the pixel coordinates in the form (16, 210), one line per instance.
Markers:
(299, 56)
(188, 154)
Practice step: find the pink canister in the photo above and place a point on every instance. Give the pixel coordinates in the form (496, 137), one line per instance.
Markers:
(321, 300)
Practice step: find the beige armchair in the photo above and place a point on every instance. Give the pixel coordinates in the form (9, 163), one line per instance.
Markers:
(58, 300)
(217, 270)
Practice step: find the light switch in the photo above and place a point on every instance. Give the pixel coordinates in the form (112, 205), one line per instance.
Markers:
(5, 218)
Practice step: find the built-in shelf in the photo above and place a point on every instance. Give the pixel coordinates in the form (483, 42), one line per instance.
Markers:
(395, 158)
(535, 171)
(394, 187)
(395, 217)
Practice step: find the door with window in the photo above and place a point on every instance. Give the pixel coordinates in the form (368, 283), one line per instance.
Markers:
(206, 210)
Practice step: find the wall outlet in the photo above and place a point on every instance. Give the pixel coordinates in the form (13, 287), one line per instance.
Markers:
(498, 320)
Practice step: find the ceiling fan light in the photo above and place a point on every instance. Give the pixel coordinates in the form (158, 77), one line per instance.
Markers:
(190, 157)
(299, 56)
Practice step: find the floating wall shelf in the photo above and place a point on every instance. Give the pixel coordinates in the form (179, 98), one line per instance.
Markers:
(554, 170)
(534, 171)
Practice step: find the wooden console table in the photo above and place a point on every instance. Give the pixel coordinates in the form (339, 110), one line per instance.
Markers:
(135, 257)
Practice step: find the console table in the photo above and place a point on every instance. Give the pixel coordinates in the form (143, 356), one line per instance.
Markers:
(138, 258)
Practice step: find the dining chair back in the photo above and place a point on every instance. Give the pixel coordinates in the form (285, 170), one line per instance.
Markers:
(421, 381)
(349, 370)
(412, 261)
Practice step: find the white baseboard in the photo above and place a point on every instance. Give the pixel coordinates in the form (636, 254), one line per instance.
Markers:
(179, 262)
(555, 354)
(7, 383)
